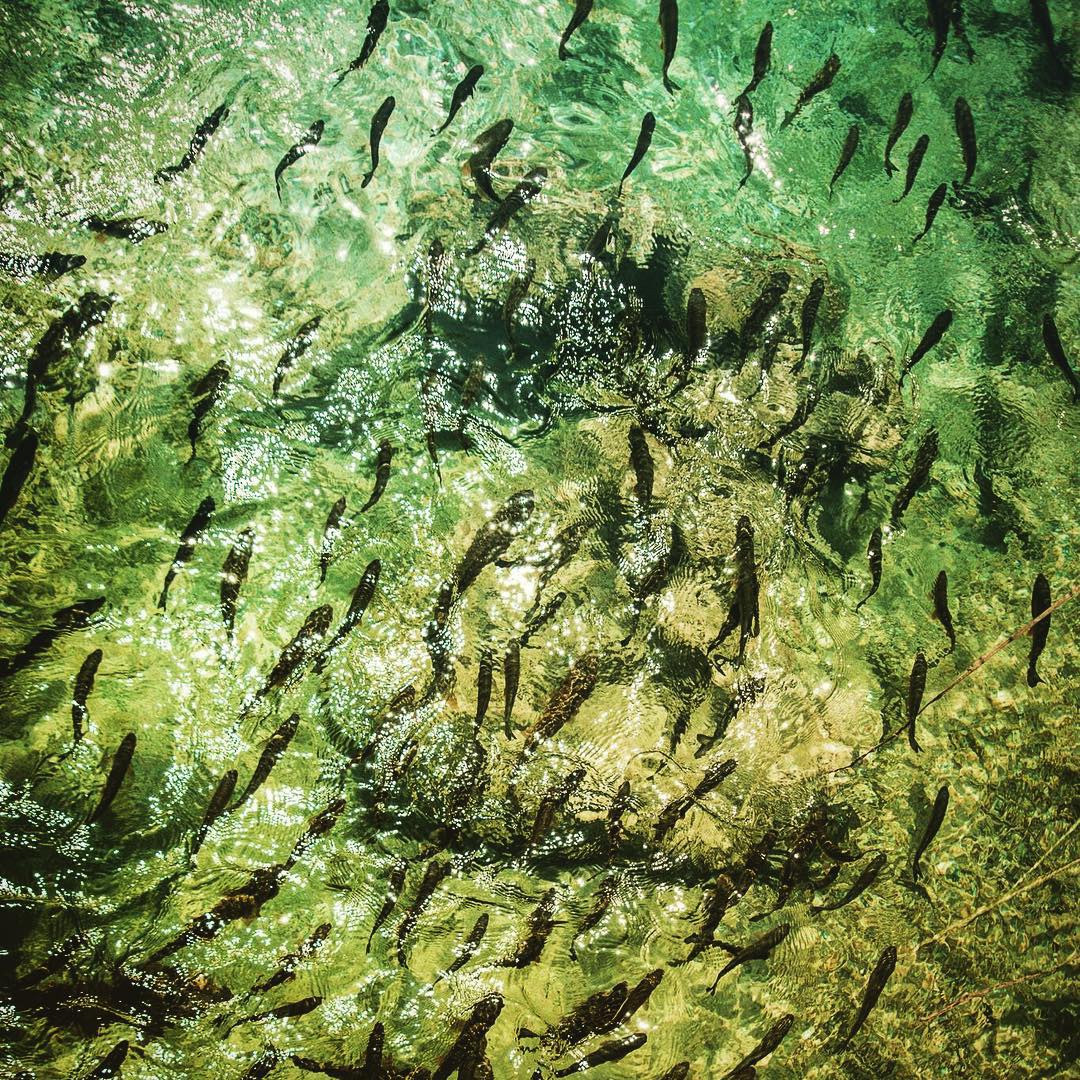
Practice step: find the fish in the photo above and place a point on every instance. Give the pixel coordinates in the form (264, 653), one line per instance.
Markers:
(382, 474)
(524, 193)
(865, 879)
(773, 1038)
(117, 771)
(937, 816)
(637, 996)
(291, 1008)
(808, 317)
(937, 197)
(554, 800)
(722, 895)
(198, 142)
(19, 467)
(669, 38)
(1040, 601)
(642, 462)
(764, 307)
(820, 82)
(678, 808)
(939, 22)
(434, 874)
(297, 652)
(65, 621)
(134, 230)
(744, 613)
(378, 126)
(916, 687)
(478, 164)
(934, 333)
(1052, 341)
(469, 946)
(361, 598)
(516, 292)
(851, 144)
(956, 17)
(205, 392)
(614, 1050)
(484, 681)
(84, 684)
(49, 264)
(914, 161)
(1040, 16)
(538, 928)
(641, 147)
(286, 970)
(965, 132)
(462, 92)
(744, 128)
(904, 113)
(679, 1071)
(297, 345)
(264, 1065)
(308, 140)
(941, 607)
(873, 556)
(276, 745)
(541, 618)
(470, 1046)
(564, 704)
(759, 949)
(216, 807)
(188, 539)
(581, 13)
(696, 331)
(318, 826)
(373, 1054)
(376, 24)
(233, 575)
(619, 805)
(493, 538)
(605, 893)
(762, 58)
(395, 883)
(878, 978)
(925, 457)
(110, 1065)
(330, 532)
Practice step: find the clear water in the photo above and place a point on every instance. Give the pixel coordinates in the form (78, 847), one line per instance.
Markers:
(98, 96)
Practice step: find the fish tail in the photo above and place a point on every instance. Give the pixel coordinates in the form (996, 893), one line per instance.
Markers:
(367, 178)
(670, 86)
(1033, 679)
(788, 117)
(890, 168)
(564, 53)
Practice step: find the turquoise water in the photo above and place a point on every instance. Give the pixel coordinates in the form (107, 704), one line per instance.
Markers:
(523, 368)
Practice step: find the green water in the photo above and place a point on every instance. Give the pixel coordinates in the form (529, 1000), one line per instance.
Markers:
(539, 394)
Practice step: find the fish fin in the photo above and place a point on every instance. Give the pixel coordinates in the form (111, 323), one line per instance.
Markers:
(367, 178)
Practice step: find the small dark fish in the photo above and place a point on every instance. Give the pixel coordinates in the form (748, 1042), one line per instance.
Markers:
(395, 883)
(117, 771)
(382, 474)
(903, 117)
(932, 207)
(552, 802)
(965, 132)
(276, 745)
(298, 344)
(462, 92)
(295, 152)
(764, 307)
(134, 230)
(484, 680)
(218, 803)
(677, 1072)
(937, 816)
(542, 617)
(762, 58)
(233, 574)
(744, 613)
(538, 928)
(330, 533)
(1052, 341)
(935, 332)
(637, 996)
(19, 467)
(914, 161)
(264, 1065)
(378, 126)
(376, 24)
(939, 21)
(851, 144)
(292, 1008)
(669, 38)
(773, 1038)
(615, 1050)
(516, 292)
(678, 808)
(759, 949)
(433, 875)
(925, 457)
(297, 652)
(68, 619)
(648, 126)
(84, 684)
(198, 141)
(572, 693)
(470, 945)
(470, 1049)
(873, 556)
(488, 145)
(1040, 15)
(524, 193)
(941, 607)
(858, 887)
(619, 805)
(915, 690)
(809, 314)
(744, 128)
(50, 264)
(956, 17)
(1040, 601)
(723, 894)
(878, 978)
(372, 1069)
(581, 13)
(110, 1065)
(188, 538)
(595, 1015)
(361, 597)
(821, 81)
(642, 462)
(493, 538)
(205, 393)
(605, 893)
(286, 970)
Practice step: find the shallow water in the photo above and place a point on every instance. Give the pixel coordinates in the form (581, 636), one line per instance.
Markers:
(521, 368)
